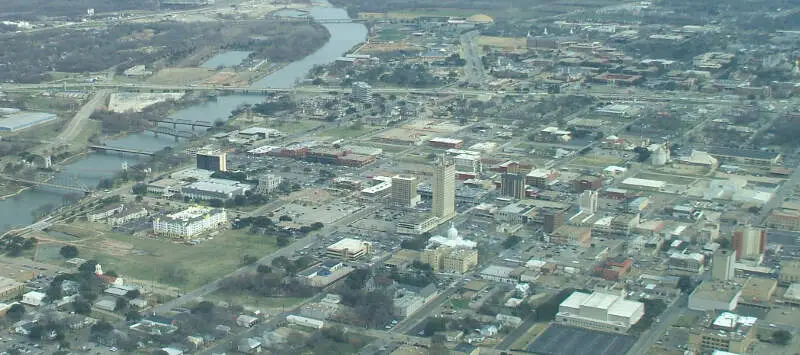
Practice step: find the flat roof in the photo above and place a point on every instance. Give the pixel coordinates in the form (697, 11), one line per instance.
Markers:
(793, 292)
(625, 308)
(347, 243)
(744, 153)
(719, 291)
(758, 289)
(193, 213)
(644, 182)
(564, 340)
(575, 300)
(600, 300)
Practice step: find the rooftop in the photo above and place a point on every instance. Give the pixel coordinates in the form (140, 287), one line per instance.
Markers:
(718, 291)
(193, 213)
(758, 289)
(744, 153)
(644, 182)
(349, 244)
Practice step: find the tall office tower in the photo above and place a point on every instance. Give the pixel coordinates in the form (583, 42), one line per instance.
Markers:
(513, 185)
(362, 92)
(552, 219)
(444, 188)
(749, 243)
(722, 265)
(404, 192)
(587, 202)
(214, 161)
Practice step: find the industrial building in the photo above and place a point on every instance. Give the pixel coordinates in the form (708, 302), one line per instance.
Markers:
(643, 184)
(745, 156)
(14, 120)
(599, 311)
(189, 222)
(210, 189)
(348, 249)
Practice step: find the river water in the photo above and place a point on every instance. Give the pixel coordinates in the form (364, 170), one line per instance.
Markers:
(19, 210)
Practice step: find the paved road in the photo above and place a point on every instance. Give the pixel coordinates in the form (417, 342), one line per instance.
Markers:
(668, 318)
(408, 324)
(473, 70)
(639, 96)
(78, 121)
(510, 338)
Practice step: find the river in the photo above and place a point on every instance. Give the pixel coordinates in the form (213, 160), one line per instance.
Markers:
(19, 211)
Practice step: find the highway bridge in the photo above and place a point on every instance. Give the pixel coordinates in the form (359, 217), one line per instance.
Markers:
(54, 182)
(655, 96)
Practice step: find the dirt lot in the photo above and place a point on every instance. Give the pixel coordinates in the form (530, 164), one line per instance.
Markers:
(180, 76)
(502, 42)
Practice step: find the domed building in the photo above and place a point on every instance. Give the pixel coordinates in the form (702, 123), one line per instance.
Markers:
(453, 240)
(480, 19)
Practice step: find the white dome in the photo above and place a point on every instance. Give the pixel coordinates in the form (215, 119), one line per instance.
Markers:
(452, 233)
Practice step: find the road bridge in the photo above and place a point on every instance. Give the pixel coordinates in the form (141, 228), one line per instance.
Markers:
(105, 148)
(172, 132)
(57, 184)
(176, 122)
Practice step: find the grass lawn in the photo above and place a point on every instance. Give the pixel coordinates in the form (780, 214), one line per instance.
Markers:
(347, 131)
(460, 304)
(291, 126)
(157, 259)
(391, 34)
(529, 336)
(247, 300)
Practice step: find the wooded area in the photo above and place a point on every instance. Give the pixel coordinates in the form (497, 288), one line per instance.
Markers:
(28, 57)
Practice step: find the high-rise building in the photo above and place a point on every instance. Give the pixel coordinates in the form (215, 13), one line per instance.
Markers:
(513, 185)
(552, 220)
(214, 161)
(362, 92)
(404, 191)
(749, 243)
(587, 202)
(444, 188)
(722, 265)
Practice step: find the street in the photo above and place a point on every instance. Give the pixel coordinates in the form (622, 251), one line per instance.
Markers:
(668, 318)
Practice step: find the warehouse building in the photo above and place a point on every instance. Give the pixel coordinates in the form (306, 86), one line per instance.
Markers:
(16, 121)
(643, 184)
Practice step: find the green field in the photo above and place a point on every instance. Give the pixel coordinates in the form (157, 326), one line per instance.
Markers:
(391, 34)
(247, 300)
(347, 132)
(166, 261)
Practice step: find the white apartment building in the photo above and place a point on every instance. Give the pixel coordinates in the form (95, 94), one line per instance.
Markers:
(189, 222)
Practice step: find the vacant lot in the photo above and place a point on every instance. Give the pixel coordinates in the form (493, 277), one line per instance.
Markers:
(168, 261)
(181, 76)
(502, 42)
